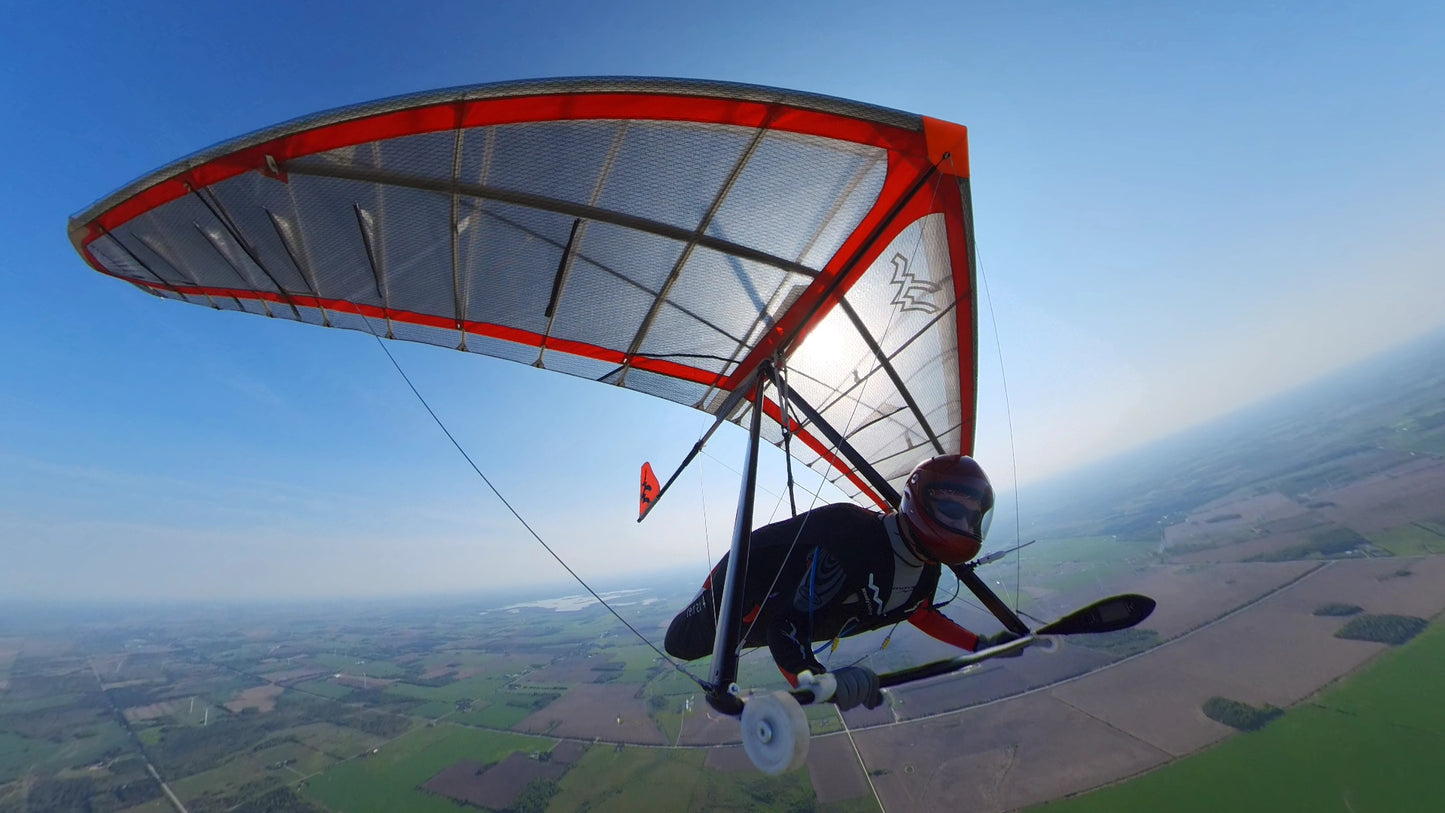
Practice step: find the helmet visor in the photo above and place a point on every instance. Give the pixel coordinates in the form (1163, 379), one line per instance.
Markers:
(965, 508)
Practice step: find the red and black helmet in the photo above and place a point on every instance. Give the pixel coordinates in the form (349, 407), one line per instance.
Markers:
(948, 503)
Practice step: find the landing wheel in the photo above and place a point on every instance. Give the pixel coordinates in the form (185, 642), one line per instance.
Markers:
(1047, 644)
(775, 732)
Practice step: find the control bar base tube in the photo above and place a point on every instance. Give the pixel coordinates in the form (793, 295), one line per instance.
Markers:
(725, 643)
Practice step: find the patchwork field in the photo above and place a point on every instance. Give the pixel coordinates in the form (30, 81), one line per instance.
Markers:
(1131, 717)
(291, 676)
(390, 779)
(154, 711)
(351, 665)
(260, 698)
(246, 774)
(1191, 595)
(1390, 498)
(623, 779)
(1372, 743)
(1267, 543)
(834, 771)
(1393, 508)
(335, 741)
(590, 710)
(1420, 538)
(998, 757)
(498, 786)
(1232, 519)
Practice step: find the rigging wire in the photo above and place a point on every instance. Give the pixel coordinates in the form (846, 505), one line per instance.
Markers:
(778, 503)
(724, 464)
(706, 538)
(1008, 414)
(859, 755)
(441, 425)
(1041, 622)
(785, 413)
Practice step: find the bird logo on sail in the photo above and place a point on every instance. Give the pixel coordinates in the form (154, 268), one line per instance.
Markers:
(913, 294)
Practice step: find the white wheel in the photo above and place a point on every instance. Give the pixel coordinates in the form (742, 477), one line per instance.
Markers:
(1047, 644)
(775, 732)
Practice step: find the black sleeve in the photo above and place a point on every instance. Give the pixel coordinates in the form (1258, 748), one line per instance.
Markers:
(843, 535)
(791, 649)
(854, 535)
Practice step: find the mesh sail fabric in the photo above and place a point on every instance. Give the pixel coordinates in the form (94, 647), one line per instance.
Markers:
(908, 305)
(662, 235)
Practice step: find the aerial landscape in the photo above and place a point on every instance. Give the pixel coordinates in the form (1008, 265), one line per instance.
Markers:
(1287, 525)
(555, 406)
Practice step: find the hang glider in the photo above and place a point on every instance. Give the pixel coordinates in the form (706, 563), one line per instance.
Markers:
(798, 264)
(668, 236)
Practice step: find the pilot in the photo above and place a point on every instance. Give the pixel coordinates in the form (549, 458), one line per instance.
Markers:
(840, 570)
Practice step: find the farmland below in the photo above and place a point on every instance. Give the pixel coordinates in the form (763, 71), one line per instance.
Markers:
(1371, 743)
(1286, 550)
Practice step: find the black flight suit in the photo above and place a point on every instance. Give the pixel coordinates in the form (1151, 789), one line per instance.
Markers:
(848, 573)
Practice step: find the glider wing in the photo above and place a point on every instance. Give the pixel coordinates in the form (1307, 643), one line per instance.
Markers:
(662, 235)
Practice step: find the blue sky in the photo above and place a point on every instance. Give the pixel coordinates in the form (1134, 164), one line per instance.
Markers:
(1180, 209)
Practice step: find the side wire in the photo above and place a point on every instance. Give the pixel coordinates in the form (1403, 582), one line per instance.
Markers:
(675, 665)
(859, 754)
(1012, 449)
(706, 541)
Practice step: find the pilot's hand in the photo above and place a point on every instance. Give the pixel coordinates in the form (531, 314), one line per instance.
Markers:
(857, 685)
(998, 639)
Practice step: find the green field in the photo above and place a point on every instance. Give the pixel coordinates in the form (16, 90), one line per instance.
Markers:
(1067, 564)
(11, 705)
(755, 669)
(1086, 550)
(336, 741)
(1375, 743)
(1410, 539)
(250, 775)
(433, 709)
(388, 779)
(504, 709)
(349, 665)
(632, 779)
(299, 759)
(1411, 435)
(223, 786)
(472, 688)
(822, 718)
(637, 662)
(670, 719)
(324, 688)
(460, 657)
(18, 753)
(860, 804)
(672, 690)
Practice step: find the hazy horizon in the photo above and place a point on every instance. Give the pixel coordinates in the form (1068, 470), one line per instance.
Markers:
(682, 576)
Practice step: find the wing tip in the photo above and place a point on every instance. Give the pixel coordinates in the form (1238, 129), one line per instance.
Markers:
(947, 146)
